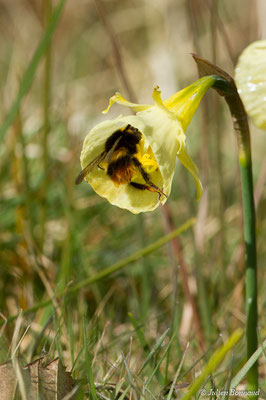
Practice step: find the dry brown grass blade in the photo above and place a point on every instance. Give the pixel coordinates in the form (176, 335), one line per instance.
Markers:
(8, 381)
(45, 381)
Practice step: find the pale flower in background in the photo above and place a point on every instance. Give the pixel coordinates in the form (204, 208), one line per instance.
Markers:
(250, 76)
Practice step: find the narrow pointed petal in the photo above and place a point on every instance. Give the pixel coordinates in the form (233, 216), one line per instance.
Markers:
(185, 102)
(119, 99)
(156, 95)
(186, 160)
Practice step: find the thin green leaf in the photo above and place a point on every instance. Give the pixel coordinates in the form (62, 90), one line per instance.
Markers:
(159, 363)
(139, 333)
(244, 370)
(32, 67)
(88, 364)
(154, 350)
(213, 363)
(130, 378)
(177, 374)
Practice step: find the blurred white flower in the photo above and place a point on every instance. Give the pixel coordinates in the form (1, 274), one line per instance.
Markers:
(250, 76)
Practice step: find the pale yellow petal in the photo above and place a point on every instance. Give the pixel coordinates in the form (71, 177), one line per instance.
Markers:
(164, 136)
(95, 140)
(250, 76)
(119, 99)
(186, 160)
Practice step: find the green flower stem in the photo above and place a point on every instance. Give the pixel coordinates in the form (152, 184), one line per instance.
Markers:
(226, 87)
(251, 270)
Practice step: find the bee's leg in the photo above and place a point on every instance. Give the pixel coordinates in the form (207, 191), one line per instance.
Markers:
(152, 188)
(150, 185)
(144, 174)
(142, 186)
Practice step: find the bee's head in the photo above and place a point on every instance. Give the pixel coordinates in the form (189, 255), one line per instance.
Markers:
(132, 133)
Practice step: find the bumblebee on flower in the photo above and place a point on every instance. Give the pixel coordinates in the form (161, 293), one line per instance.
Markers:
(130, 160)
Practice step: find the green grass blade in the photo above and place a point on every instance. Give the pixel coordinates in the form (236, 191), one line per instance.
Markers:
(177, 375)
(159, 362)
(244, 370)
(154, 350)
(213, 363)
(139, 332)
(144, 343)
(148, 359)
(130, 378)
(32, 67)
(123, 395)
(88, 364)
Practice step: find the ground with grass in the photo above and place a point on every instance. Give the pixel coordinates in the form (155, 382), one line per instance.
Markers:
(147, 306)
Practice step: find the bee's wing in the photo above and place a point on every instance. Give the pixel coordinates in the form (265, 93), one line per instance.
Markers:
(90, 167)
(112, 150)
(102, 157)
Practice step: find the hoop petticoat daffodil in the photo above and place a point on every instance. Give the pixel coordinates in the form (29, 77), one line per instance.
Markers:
(162, 127)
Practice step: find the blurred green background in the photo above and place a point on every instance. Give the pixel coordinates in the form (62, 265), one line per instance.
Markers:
(53, 233)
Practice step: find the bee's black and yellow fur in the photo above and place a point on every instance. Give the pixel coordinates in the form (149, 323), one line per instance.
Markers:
(119, 154)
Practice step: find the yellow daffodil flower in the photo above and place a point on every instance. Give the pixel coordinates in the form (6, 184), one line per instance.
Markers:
(161, 128)
(250, 76)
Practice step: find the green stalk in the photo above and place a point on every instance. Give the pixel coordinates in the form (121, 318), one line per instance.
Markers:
(47, 13)
(251, 261)
(245, 163)
(226, 87)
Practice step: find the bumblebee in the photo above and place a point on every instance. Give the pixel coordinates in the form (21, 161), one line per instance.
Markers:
(120, 155)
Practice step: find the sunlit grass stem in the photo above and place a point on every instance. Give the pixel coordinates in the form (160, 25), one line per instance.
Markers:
(211, 366)
(24, 187)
